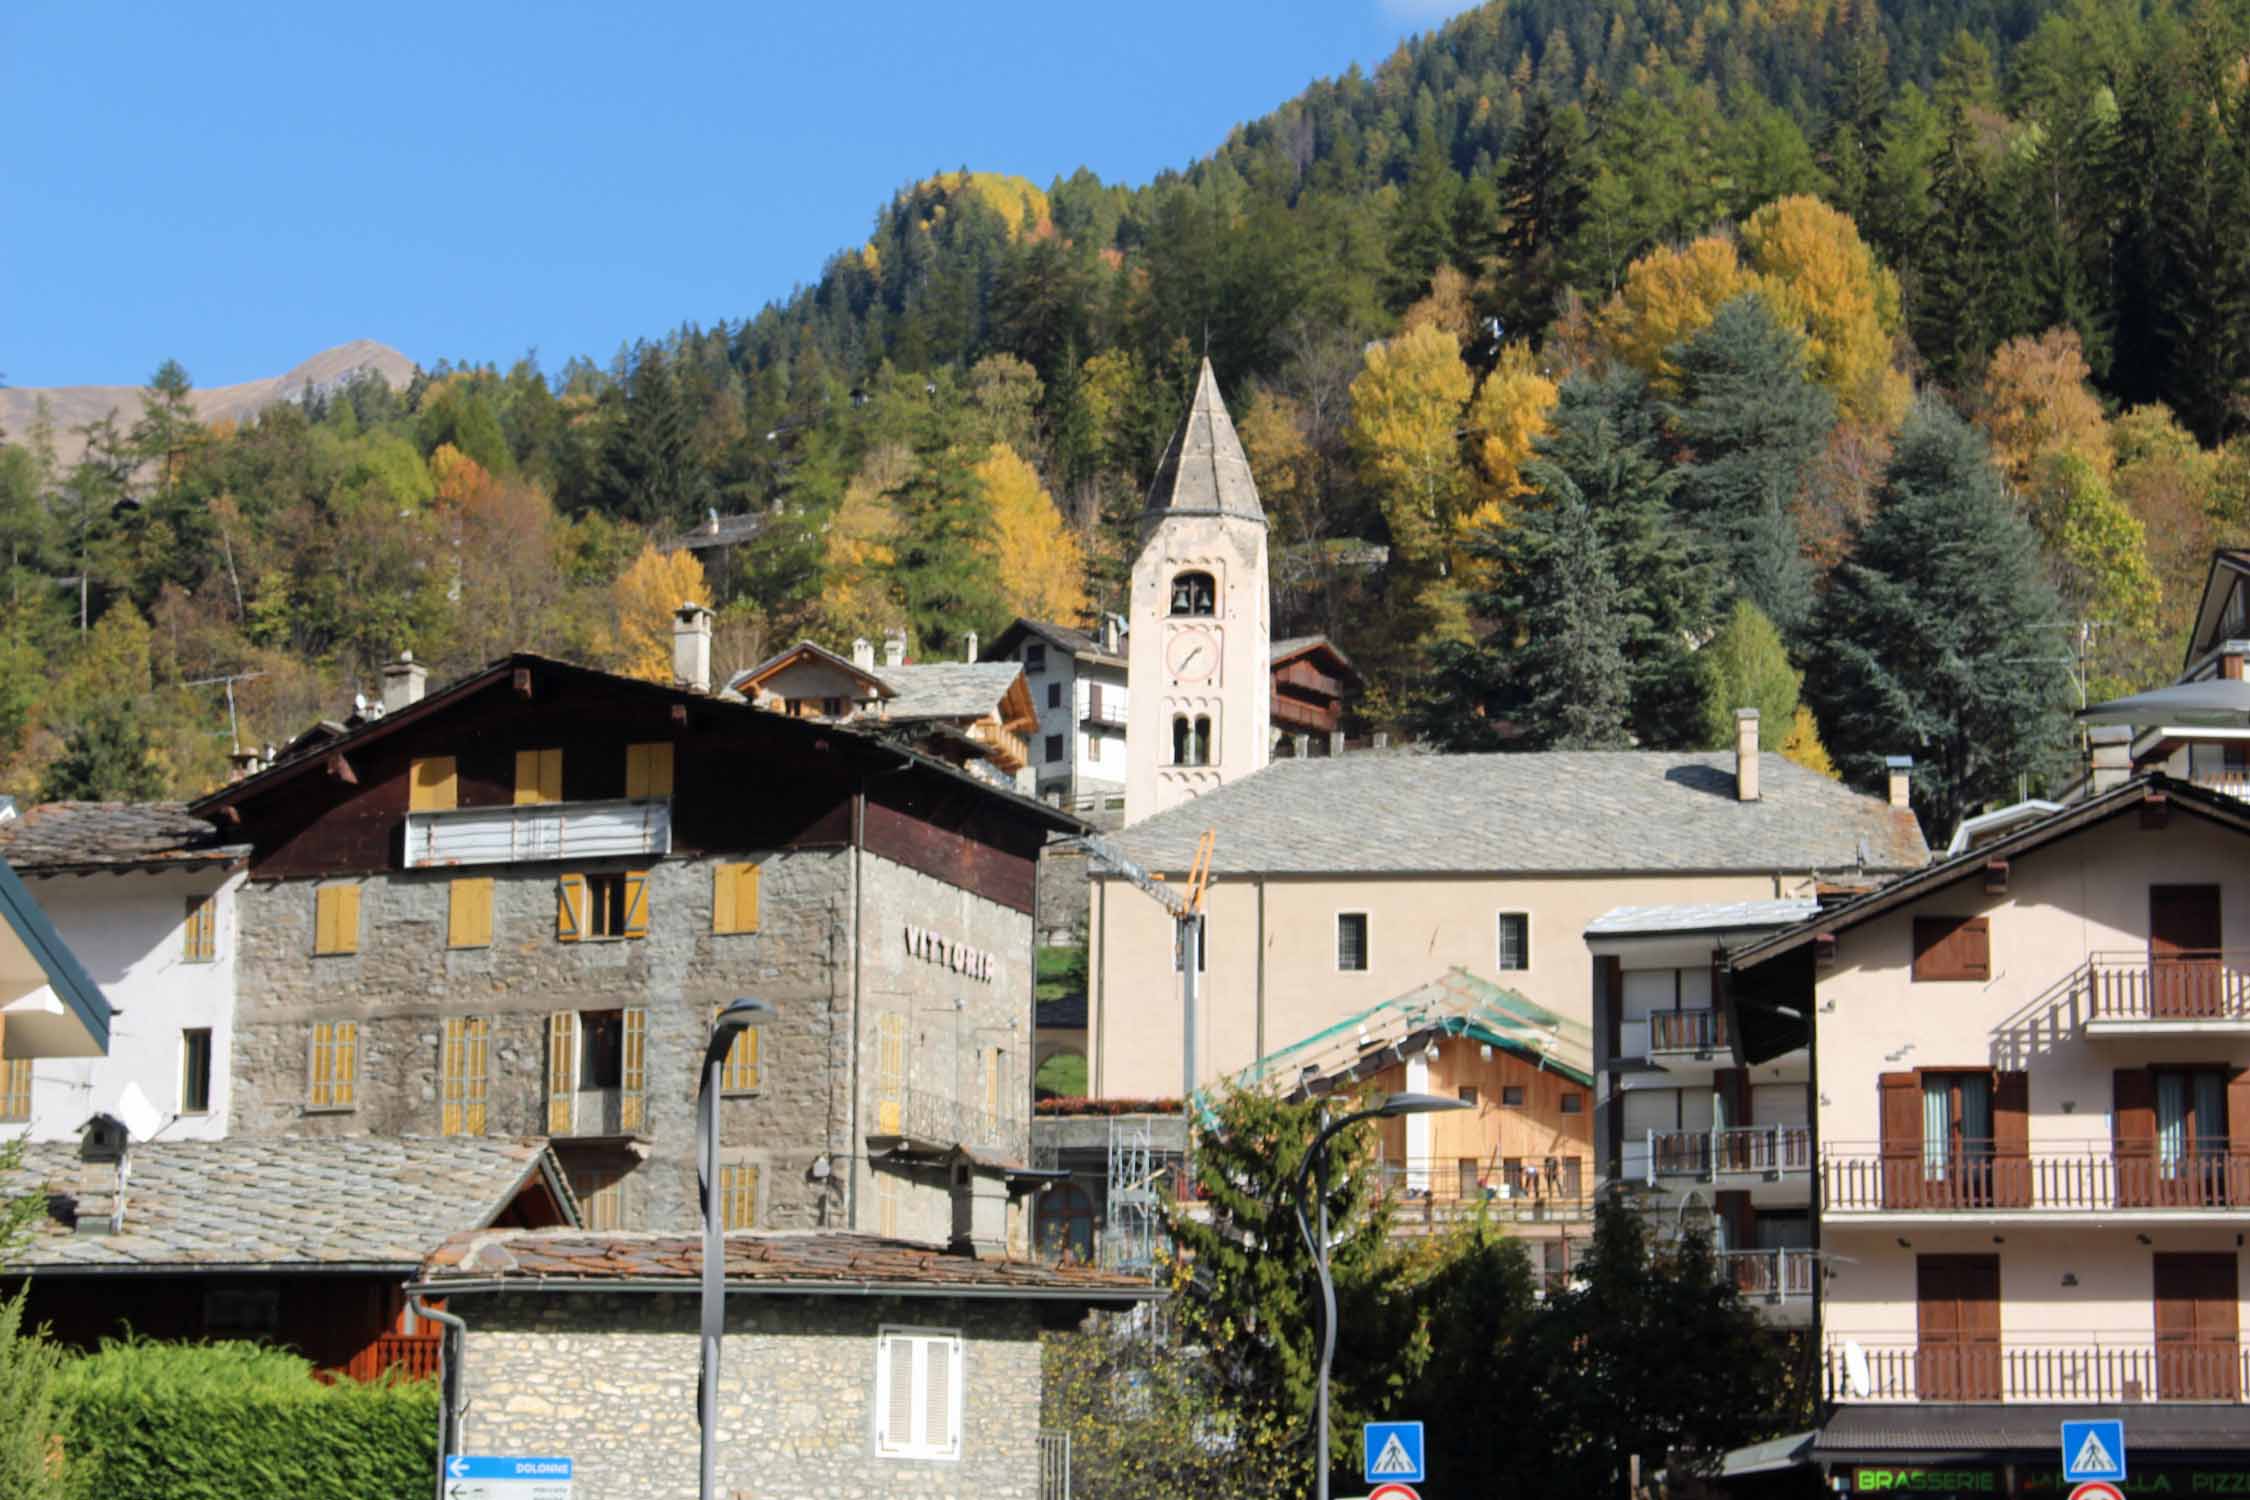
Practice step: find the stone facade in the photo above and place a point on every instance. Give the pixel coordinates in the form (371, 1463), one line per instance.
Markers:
(609, 1378)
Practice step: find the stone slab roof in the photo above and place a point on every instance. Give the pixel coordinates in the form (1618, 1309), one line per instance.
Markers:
(947, 689)
(1547, 812)
(1204, 470)
(1067, 638)
(845, 1261)
(1700, 916)
(327, 1202)
(60, 837)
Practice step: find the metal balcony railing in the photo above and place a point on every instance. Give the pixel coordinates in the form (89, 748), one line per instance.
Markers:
(927, 1115)
(1776, 1275)
(622, 829)
(2086, 1368)
(2194, 985)
(1441, 1191)
(2225, 783)
(1760, 1150)
(1687, 1031)
(1980, 1176)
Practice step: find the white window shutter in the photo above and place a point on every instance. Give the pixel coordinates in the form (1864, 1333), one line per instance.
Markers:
(898, 1400)
(941, 1405)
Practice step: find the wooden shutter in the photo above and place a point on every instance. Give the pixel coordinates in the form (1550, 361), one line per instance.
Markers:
(538, 776)
(320, 1066)
(738, 1197)
(648, 770)
(570, 909)
(890, 1073)
(897, 1404)
(740, 1075)
(1952, 948)
(636, 903)
(632, 1073)
(200, 944)
(432, 785)
(336, 919)
(1900, 1114)
(734, 898)
(2011, 1140)
(2132, 1124)
(477, 1073)
(562, 1072)
(335, 1065)
(468, 917)
(940, 1384)
(2238, 1138)
(1733, 1211)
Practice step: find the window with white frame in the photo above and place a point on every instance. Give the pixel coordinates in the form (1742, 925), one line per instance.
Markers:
(1515, 940)
(918, 1393)
(1351, 941)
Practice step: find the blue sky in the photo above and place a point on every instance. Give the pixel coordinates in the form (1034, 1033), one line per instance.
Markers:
(240, 186)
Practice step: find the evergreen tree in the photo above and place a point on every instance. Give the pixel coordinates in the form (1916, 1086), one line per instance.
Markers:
(1541, 203)
(1958, 315)
(1749, 668)
(945, 569)
(649, 468)
(1941, 637)
(167, 430)
(1859, 87)
(105, 758)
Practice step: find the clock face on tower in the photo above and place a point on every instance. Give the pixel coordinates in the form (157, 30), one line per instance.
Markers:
(1192, 655)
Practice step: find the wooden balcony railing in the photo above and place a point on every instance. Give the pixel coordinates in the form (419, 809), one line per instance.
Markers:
(1687, 1031)
(1438, 1192)
(411, 1354)
(2193, 985)
(1985, 1176)
(1888, 1369)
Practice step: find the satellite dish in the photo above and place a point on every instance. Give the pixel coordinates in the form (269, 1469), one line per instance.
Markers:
(1855, 1370)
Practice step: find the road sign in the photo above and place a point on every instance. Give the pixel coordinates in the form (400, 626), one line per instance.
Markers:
(2093, 1450)
(1393, 1451)
(1394, 1492)
(2097, 1489)
(476, 1476)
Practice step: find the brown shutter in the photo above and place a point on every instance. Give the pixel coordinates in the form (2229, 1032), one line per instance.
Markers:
(1733, 1210)
(2238, 1138)
(1612, 969)
(1973, 948)
(2133, 1133)
(1901, 1116)
(2011, 1140)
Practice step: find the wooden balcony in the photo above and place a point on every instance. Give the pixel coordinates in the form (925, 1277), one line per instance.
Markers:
(414, 1355)
(2133, 994)
(2085, 1368)
(1984, 1177)
(628, 828)
(1695, 1031)
(1423, 1196)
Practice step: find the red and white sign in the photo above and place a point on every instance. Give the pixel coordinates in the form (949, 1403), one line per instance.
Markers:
(2097, 1489)
(1408, 1492)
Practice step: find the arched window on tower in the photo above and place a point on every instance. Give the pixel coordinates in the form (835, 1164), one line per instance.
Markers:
(1191, 740)
(1203, 739)
(1194, 594)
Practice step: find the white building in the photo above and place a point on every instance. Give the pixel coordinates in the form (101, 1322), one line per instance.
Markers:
(1077, 686)
(143, 894)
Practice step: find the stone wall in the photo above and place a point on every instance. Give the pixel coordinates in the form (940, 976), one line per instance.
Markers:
(1063, 896)
(609, 1379)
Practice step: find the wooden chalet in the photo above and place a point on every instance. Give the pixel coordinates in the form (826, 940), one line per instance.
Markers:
(974, 715)
(1311, 681)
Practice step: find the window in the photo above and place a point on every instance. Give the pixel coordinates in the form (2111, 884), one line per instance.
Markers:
(1956, 1123)
(244, 1313)
(738, 1197)
(734, 898)
(1066, 1224)
(890, 1074)
(601, 1197)
(195, 1071)
(200, 941)
(1468, 1096)
(648, 770)
(834, 708)
(1515, 940)
(1054, 695)
(1573, 1102)
(593, 908)
(740, 1076)
(1035, 657)
(1054, 748)
(918, 1394)
(464, 1067)
(432, 785)
(1952, 948)
(468, 913)
(335, 920)
(1191, 740)
(886, 1203)
(334, 1069)
(1194, 594)
(538, 776)
(597, 1072)
(2191, 1124)
(1511, 1096)
(1351, 941)
(15, 1089)
(1202, 946)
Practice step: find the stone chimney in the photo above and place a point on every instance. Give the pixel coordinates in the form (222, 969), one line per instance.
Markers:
(403, 682)
(1113, 633)
(104, 1168)
(244, 763)
(2110, 749)
(1901, 774)
(863, 654)
(969, 647)
(691, 648)
(894, 648)
(980, 1212)
(1745, 755)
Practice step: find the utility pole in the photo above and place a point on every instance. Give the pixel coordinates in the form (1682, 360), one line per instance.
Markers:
(1186, 908)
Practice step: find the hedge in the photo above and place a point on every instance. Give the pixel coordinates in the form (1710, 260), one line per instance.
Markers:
(238, 1421)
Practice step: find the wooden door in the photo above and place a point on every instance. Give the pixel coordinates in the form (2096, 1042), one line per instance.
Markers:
(2184, 938)
(1958, 1322)
(2198, 1355)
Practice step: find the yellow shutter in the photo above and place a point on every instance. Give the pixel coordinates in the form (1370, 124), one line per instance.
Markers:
(633, 1073)
(734, 898)
(336, 919)
(453, 1066)
(201, 941)
(740, 1075)
(347, 1058)
(738, 1197)
(469, 913)
(477, 1036)
(319, 1089)
(432, 785)
(636, 903)
(15, 1089)
(538, 776)
(570, 909)
(890, 1073)
(648, 770)
(335, 1065)
(562, 1072)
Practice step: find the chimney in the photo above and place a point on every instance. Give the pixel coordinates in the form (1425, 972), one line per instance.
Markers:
(104, 1146)
(2111, 749)
(244, 763)
(1746, 755)
(969, 649)
(1382, 740)
(691, 648)
(1113, 632)
(894, 648)
(1901, 769)
(403, 681)
(1335, 742)
(980, 1213)
(863, 654)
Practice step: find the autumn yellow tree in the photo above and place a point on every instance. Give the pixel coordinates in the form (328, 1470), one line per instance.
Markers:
(1827, 282)
(1507, 417)
(1041, 565)
(858, 596)
(644, 600)
(2038, 405)
(1670, 295)
(1408, 407)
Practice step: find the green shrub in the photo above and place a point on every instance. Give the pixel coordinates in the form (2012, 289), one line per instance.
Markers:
(238, 1421)
(27, 1389)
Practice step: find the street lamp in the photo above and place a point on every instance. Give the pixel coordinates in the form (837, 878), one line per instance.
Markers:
(729, 1024)
(1316, 1165)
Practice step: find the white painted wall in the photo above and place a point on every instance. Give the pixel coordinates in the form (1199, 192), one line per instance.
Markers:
(129, 931)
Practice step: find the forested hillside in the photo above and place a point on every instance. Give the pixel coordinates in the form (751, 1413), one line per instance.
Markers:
(1605, 364)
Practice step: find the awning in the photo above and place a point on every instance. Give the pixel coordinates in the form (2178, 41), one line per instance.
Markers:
(1928, 1433)
(2214, 703)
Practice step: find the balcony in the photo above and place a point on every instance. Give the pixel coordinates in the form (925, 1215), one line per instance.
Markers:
(2061, 1368)
(2067, 1183)
(1767, 1152)
(926, 1119)
(1778, 1282)
(1427, 1195)
(2132, 994)
(1701, 1032)
(2225, 783)
(628, 828)
(1103, 713)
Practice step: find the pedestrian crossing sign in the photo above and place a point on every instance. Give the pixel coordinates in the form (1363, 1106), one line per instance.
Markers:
(1393, 1451)
(2093, 1450)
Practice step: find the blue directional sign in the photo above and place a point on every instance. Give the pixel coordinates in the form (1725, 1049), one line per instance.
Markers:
(2093, 1450)
(482, 1476)
(1393, 1451)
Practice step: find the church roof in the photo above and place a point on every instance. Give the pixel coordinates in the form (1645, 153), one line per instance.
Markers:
(1204, 470)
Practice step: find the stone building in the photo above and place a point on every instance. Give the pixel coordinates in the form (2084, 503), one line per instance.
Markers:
(511, 907)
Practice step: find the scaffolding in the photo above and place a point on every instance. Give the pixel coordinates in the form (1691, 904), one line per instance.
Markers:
(1129, 1235)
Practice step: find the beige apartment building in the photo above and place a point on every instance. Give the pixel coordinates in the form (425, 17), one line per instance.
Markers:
(1338, 883)
(2030, 1115)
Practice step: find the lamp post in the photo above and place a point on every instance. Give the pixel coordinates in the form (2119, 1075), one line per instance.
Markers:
(1316, 1167)
(729, 1024)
